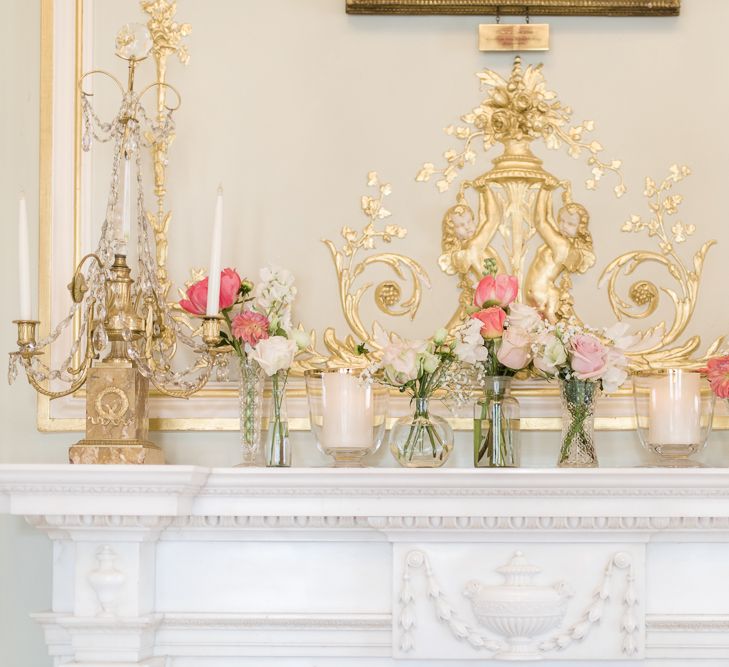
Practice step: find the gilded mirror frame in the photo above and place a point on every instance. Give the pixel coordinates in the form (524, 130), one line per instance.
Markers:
(518, 7)
(615, 420)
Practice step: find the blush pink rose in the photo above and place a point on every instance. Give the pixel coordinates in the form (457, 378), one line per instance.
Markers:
(515, 351)
(498, 290)
(588, 356)
(250, 327)
(492, 321)
(717, 371)
(196, 302)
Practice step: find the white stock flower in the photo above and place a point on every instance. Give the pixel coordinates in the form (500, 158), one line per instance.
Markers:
(469, 346)
(616, 372)
(274, 354)
(275, 295)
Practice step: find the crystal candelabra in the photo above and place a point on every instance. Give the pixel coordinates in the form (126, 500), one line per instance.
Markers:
(127, 334)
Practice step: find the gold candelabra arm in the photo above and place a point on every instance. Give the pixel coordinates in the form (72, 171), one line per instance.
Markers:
(28, 350)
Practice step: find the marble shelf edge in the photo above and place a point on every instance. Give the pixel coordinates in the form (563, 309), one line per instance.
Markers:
(180, 491)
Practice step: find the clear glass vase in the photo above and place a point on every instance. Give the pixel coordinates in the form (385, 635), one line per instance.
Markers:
(496, 426)
(277, 450)
(250, 396)
(578, 423)
(421, 440)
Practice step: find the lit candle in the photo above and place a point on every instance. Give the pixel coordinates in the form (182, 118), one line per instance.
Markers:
(348, 412)
(126, 217)
(24, 260)
(675, 409)
(214, 271)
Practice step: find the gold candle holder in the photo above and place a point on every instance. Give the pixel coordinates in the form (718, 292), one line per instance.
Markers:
(211, 335)
(26, 334)
(27, 341)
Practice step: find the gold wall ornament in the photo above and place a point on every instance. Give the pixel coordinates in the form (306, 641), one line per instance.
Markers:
(167, 35)
(643, 295)
(517, 7)
(514, 200)
(350, 265)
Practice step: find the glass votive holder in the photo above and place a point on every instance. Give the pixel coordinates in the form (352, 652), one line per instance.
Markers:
(348, 416)
(674, 410)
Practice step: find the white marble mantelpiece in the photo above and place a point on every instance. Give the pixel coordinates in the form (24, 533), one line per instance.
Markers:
(183, 566)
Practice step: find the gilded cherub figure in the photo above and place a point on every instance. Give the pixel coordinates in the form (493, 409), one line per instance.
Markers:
(567, 249)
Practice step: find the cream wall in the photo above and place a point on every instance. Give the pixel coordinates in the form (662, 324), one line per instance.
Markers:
(660, 97)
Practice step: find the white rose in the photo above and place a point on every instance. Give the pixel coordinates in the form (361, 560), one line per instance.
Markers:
(523, 317)
(553, 354)
(274, 354)
(440, 336)
(429, 362)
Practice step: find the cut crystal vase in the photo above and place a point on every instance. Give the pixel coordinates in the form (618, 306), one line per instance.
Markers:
(578, 423)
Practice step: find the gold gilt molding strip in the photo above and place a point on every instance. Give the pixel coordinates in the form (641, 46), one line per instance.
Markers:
(518, 7)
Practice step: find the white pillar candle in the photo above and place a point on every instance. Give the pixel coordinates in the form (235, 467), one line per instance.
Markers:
(674, 409)
(214, 270)
(126, 216)
(26, 312)
(348, 412)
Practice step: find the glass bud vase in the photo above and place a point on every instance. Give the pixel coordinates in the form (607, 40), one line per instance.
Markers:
(578, 423)
(277, 451)
(496, 426)
(250, 395)
(421, 440)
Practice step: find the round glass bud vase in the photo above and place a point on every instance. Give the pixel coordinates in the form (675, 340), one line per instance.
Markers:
(348, 416)
(496, 426)
(674, 411)
(423, 439)
(578, 423)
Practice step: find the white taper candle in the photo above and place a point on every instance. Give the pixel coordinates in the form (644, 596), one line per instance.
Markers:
(24, 261)
(214, 270)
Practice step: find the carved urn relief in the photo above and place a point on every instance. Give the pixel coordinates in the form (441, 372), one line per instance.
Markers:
(519, 610)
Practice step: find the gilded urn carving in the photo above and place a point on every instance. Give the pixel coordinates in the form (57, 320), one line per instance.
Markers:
(519, 610)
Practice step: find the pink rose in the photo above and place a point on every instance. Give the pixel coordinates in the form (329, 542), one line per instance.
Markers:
(515, 351)
(250, 327)
(717, 371)
(492, 320)
(588, 357)
(197, 294)
(498, 290)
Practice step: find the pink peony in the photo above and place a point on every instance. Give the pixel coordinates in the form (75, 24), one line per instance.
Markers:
(515, 351)
(197, 294)
(588, 357)
(492, 320)
(717, 371)
(498, 290)
(229, 286)
(250, 327)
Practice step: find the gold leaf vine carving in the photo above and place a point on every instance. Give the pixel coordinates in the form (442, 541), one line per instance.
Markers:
(643, 295)
(350, 266)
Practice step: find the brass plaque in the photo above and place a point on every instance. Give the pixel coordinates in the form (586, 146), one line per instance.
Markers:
(513, 37)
